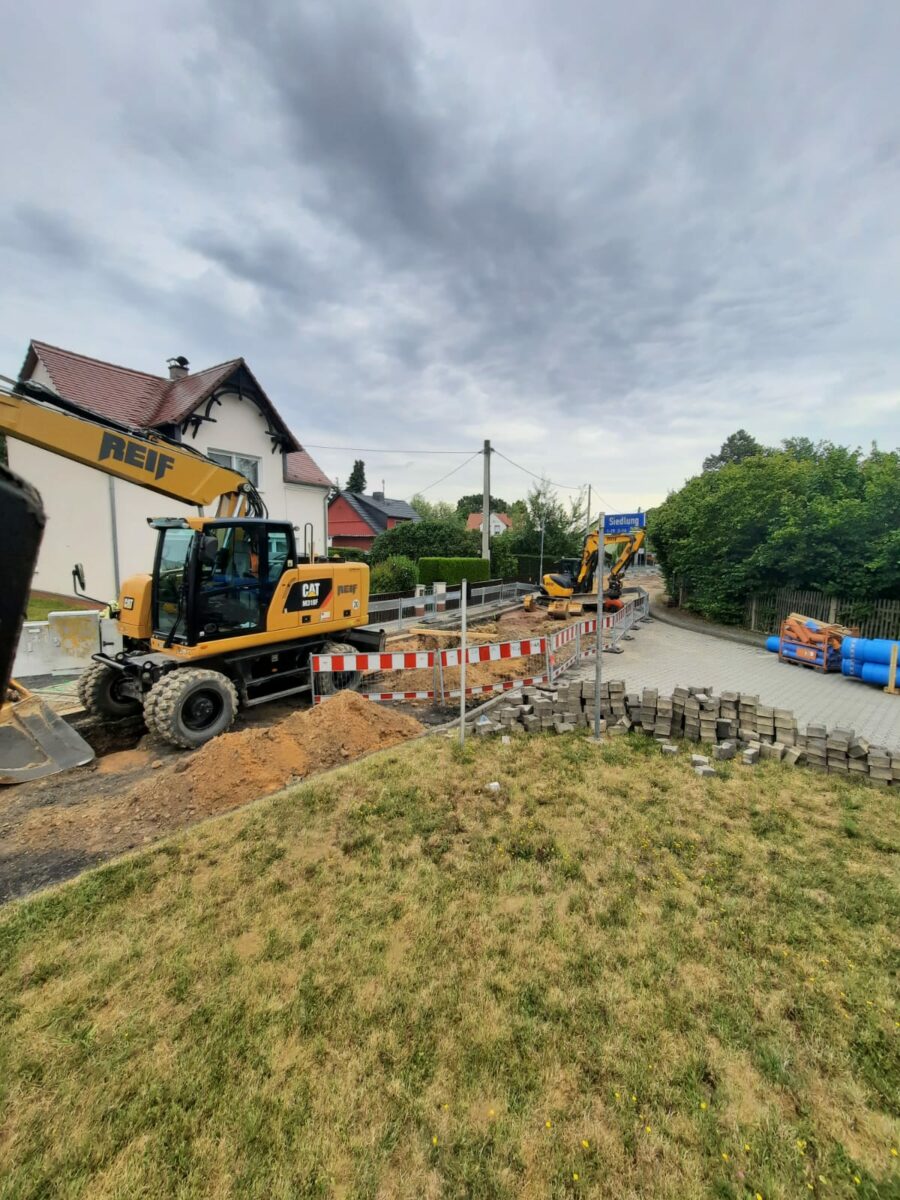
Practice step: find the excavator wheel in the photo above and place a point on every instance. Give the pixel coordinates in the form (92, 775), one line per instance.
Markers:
(99, 692)
(190, 706)
(338, 681)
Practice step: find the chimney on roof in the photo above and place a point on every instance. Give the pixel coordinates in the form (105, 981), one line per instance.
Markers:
(378, 496)
(178, 367)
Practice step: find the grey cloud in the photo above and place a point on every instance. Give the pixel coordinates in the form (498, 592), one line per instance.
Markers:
(46, 233)
(472, 216)
(271, 260)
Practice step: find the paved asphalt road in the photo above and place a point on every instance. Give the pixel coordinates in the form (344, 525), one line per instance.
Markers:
(663, 656)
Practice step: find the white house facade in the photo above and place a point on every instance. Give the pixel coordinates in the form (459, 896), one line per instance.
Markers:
(101, 522)
(499, 523)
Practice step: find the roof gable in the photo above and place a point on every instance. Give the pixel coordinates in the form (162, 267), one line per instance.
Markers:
(146, 401)
(377, 513)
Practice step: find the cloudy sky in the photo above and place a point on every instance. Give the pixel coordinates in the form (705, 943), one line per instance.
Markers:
(602, 235)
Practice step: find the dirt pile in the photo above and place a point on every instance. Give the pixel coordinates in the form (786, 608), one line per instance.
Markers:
(54, 828)
(237, 767)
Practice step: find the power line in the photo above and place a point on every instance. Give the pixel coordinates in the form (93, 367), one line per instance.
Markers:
(380, 450)
(566, 486)
(422, 491)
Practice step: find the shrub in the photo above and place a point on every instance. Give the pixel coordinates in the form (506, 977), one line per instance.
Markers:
(395, 574)
(348, 554)
(453, 570)
(415, 538)
(503, 560)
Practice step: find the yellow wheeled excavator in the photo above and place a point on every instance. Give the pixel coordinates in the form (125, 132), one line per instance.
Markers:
(575, 587)
(230, 613)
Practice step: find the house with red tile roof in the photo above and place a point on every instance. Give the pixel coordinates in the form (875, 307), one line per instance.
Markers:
(500, 522)
(222, 411)
(355, 520)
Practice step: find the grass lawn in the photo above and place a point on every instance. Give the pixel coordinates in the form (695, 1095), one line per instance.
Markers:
(41, 604)
(610, 978)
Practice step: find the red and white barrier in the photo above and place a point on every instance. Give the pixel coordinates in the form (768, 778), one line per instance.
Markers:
(494, 652)
(417, 660)
(410, 660)
(422, 660)
(505, 685)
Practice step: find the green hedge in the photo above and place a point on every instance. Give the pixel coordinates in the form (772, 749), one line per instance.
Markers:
(395, 574)
(453, 570)
(348, 554)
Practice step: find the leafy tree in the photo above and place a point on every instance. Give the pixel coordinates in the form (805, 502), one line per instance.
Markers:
(518, 514)
(735, 449)
(415, 539)
(504, 564)
(474, 503)
(827, 520)
(563, 527)
(437, 510)
(357, 480)
(802, 447)
(395, 574)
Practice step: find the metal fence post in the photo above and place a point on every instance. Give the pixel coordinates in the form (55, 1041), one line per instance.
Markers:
(598, 668)
(578, 644)
(462, 664)
(312, 681)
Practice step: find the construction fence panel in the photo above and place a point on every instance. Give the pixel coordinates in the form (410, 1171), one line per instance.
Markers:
(437, 661)
(584, 634)
(406, 607)
(495, 652)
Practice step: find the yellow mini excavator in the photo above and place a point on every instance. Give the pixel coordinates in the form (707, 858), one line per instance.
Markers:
(575, 588)
(230, 614)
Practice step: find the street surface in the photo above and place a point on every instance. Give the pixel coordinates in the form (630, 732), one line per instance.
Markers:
(663, 656)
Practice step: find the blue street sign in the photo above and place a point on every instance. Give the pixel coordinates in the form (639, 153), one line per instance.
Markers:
(624, 522)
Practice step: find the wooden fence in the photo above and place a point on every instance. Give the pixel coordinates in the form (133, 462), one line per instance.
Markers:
(875, 618)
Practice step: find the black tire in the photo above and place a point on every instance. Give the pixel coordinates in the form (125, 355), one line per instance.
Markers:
(99, 690)
(190, 706)
(340, 681)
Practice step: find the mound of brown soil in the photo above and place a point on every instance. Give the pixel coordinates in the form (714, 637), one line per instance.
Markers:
(237, 767)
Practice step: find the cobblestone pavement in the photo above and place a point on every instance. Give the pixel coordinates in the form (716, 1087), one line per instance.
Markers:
(663, 657)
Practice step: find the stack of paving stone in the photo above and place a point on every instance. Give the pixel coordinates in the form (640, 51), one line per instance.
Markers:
(731, 722)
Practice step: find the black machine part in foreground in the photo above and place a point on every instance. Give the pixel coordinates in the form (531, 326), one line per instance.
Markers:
(21, 529)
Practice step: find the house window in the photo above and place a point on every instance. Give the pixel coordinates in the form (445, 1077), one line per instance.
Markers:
(247, 466)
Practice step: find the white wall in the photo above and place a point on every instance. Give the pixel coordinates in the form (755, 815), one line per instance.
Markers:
(77, 501)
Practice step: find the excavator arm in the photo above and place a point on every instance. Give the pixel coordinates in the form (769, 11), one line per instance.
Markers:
(144, 457)
(632, 542)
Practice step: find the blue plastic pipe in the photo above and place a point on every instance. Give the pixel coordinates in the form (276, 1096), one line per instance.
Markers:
(877, 673)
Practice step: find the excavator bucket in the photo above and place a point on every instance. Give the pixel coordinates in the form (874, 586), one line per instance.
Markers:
(35, 741)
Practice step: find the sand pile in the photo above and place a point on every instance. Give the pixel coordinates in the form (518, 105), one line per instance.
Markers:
(237, 767)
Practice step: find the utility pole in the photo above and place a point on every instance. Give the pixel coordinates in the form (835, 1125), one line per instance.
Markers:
(598, 667)
(486, 503)
(587, 522)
